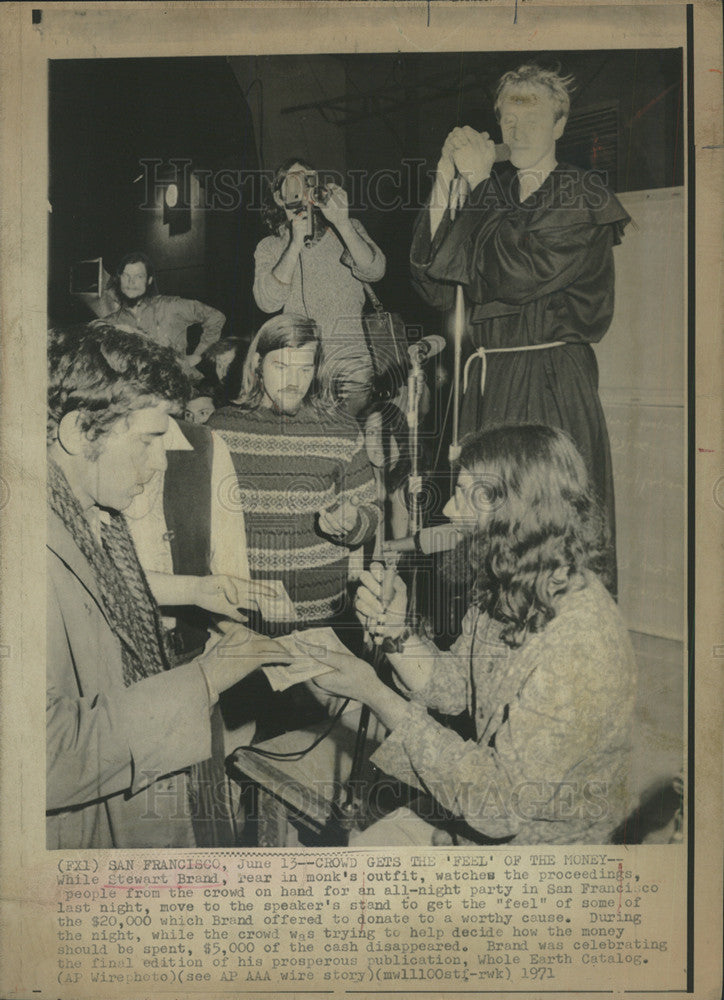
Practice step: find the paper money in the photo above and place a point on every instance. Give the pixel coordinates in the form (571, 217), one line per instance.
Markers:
(279, 608)
(310, 647)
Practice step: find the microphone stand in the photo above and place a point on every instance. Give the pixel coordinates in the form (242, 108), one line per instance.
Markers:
(458, 330)
(458, 194)
(414, 523)
(349, 813)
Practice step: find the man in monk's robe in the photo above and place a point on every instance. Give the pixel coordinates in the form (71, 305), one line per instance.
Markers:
(532, 247)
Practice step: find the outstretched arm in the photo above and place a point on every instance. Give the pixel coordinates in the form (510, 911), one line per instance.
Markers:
(547, 745)
(104, 741)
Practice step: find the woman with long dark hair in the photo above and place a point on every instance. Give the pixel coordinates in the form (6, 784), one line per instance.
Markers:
(543, 665)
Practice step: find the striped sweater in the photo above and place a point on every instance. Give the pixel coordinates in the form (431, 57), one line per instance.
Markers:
(289, 469)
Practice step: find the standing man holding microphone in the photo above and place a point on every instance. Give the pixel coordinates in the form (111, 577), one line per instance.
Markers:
(531, 244)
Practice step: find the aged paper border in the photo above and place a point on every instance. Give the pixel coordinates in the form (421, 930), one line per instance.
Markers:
(97, 30)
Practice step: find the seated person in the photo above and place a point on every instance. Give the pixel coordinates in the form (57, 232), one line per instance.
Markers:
(122, 727)
(201, 404)
(222, 365)
(305, 484)
(543, 665)
(163, 318)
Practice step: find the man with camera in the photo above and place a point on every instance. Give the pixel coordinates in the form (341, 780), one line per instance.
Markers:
(315, 263)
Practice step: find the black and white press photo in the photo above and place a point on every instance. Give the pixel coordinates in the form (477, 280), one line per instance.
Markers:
(361, 498)
(305, 308)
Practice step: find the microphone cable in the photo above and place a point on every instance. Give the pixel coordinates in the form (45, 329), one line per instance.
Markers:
(294, 755)
(441, 436)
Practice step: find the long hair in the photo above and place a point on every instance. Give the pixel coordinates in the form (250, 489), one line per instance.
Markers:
(105, 374)
(228, 386)
(273, 215)
(283, 330)
(136, 257)
(531, 486)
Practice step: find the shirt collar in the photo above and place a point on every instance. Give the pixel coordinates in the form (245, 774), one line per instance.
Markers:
(175, 440)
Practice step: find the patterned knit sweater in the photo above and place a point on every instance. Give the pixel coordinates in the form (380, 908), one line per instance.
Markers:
(289, 469)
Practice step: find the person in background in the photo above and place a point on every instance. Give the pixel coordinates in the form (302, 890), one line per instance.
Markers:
(320, 275)
(222, 365)
(201, 404)
(122, 727)
(533, 248)
(165, 319)
(543, 665)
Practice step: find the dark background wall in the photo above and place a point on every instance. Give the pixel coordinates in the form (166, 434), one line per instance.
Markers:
(377, 119)
(629, 104)
(108, 119)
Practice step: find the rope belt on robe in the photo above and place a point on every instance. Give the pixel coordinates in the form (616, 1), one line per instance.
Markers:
(482, 352)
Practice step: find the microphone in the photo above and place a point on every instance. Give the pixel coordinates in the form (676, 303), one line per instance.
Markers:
(460, 189)
(427, 347)
(437, 538)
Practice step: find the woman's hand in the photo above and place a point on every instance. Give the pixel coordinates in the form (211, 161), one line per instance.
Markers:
(349, 678)
(335, 207)
(236, 654)
(381, 602)
(356, 679)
